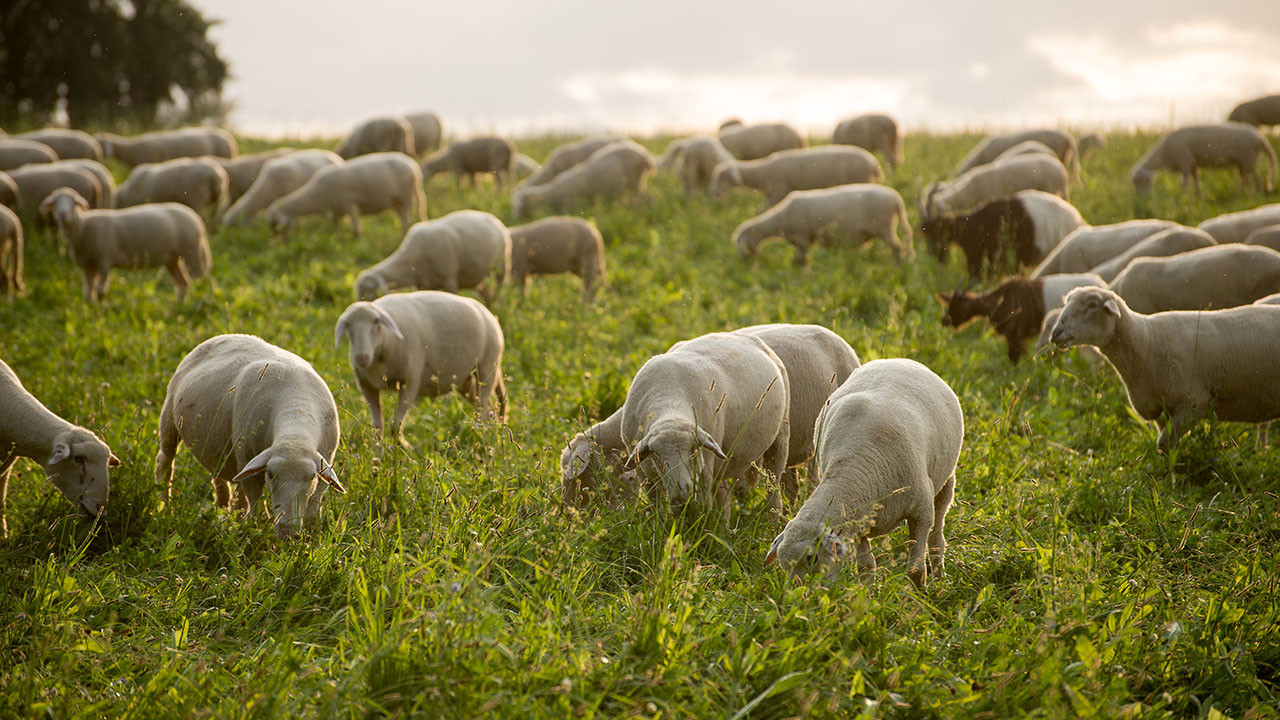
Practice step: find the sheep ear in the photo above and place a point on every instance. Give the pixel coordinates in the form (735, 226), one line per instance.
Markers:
(112, 460)
(709, 443)
(1111, 306)
(338, 331)
(328, 475)
(388, 322)
(257, 465)
(773, 550)
(61, 451)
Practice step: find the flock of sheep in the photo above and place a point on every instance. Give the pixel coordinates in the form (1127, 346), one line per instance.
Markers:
(1184, 314)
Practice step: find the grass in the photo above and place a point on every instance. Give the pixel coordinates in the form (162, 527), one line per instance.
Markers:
(1088, 576)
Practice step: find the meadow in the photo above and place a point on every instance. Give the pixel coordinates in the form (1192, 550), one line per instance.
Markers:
(1087, 575)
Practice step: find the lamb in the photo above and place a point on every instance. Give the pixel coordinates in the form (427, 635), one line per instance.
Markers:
(199, 183)
(1180, 367)
(154, 235)
(752, 142)
(106, 180)
(1188, 149)
(1260, 111)
(1029, 225)
(1017, 308)
(67, 144)
(698, 162)
(806, 169)
(460, 250)
(424, 344)
(594, 464)
(157, 147)
(698, 415)
(427, 131)
(568, 156)
(36, 182)
(847, 213)
(610, 172)
(558, 244)
(1091, 245)
(1173, 241)
(1062, 144)
(1212, 278)
(255, 415)
(1266, 236)
(1235, 227)
(887, 443)
(995, 181)
(15, 152)
(278, 178)
(526, 166)
(874, 132)
(11, 248)
(74, 459)
(378, 135)
(242, 170)
(469, 157)
(365, 185)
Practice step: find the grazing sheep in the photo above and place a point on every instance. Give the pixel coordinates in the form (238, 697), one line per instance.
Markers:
(673, 157)
(74, 459)
(11, 248)
(594, 464)
(752, 142)
(9, 194)
(568, 156)
(1188, 149)
(427, 132)
(242, 170)
(254, 415)
(995, 181)
(1062, 144)
(460, 250)
(1173, 241)
(1235, 227)
(1266, 236)
(365, 185)
(424, 344)
(558, 244)
(526, 166)
(36, 182)
(887, 443)
(1260, 111)
(874, 132)
(846, 214)
(199, 183)
(1179, 367)
(789, 170)
(1090, 143)
(1017, 308)
(165, 235)
(67, 144)
(15, 152)
(698, 163)
(278, 178)
(469, 157)
(612, 171)
(1211, 278)
(106, 180)
(698, 415)
(1029, 226)
(378, 135)
(1091, 245)
(157, 147)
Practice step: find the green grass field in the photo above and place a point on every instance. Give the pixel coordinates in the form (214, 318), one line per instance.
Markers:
(1087, 575)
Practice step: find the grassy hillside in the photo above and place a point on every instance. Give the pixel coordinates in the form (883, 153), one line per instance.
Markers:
(1087, 576)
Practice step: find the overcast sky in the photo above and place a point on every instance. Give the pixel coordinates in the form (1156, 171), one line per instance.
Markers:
(306, 66)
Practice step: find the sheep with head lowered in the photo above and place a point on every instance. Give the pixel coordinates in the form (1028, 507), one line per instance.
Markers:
(558, 244)
(699, 159)
(464, 249)
(873, 132)
(1089, 246)
(427, 131)
(886, 447)
(1172, 241)
(567, 156)
(36, 182)
(673, 155)
(378, 135)
(277, 178)
(243, 170)
(594, 464)
(258, 417)
(74, 459)
(1221, 276)
(16, 152)
(849, 214)
(199, 183)
(11, 251)
(615, 170)
(164, 145)
(1259, 111)
(1027, 226)
(1187, 149)
(788, 170)
(752, 142)
(424, 344)
(364, 185)
(1235, 227)
(995, 181)
(468, 158)
(66, 143)
(991, 147)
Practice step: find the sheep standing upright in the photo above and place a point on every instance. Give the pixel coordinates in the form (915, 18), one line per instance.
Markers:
(477, 156)
(845, 214)
(558, 244)
(874, 132)
(1188, 149)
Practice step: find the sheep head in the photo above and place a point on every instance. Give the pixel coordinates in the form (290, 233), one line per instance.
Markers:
(1089, 317)
(297, 479)
(367, 326)
(674, 458)
(78, 466)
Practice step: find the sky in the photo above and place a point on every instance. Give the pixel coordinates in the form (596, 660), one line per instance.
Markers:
(305, 67)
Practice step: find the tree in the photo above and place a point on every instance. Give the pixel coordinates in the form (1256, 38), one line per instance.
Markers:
(106, 62)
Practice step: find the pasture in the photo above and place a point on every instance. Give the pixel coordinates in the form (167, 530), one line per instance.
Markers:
(1087, 575)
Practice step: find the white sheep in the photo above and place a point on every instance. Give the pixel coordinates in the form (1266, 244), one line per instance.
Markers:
(74, 459)
(106, 181)
(200, 183)
(1171, 241)
(364, 185)
(1062, 144)
(1266, 236)
(36, 182)
(464, 249)
(567, 156)
(699, 157)
(243, 170)
(558, 244)
(11, 251)
(15, 152)
(752, 142)
(427, 131)
(1187, 149)
(157, 147)
(849, 214)
(67, 144)
(1091, 245)
(886, 447)
(256, 416)
(1217, 277)
(874, 132)
(594, 463)
(789, 170)
(278, 178)
(165, 235)
(698, 415)
(995, 181)
(1179, 367)
(1259, 111)
(1235, 227)
(378, 135)
(469, 158)
(526, 166)
(424, 344)
(609, 173)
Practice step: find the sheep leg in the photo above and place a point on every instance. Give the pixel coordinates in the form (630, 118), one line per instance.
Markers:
(408, 393)
(90, 283)
(800, 257)
(866, 560)
(103, 279)
(500, 391)
(937, 540)
(373, 398)
(354, 212)
(775, 463)
(169, 441)
(221, 493)
(918, 526)
(180, 278)
(1263, 431)
(1170, 431)
(791, 485)
(249, 492)
(4, 494)
(1195, 178)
